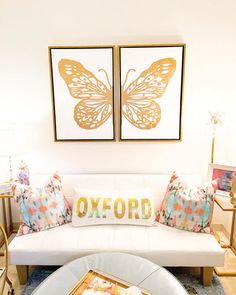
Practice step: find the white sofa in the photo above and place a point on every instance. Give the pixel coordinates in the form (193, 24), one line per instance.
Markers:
(161, 244)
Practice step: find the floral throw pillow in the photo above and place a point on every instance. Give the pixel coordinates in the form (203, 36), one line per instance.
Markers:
(187, 209)
(41, 209)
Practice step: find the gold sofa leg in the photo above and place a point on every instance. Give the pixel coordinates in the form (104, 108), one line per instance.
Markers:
(23, 272)
(206, 275)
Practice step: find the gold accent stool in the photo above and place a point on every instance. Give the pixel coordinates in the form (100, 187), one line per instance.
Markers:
(225, 205)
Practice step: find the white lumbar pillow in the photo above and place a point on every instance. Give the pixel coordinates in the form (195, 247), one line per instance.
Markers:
(91, 207)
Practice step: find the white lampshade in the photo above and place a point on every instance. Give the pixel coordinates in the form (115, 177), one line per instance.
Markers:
(12, 144)
(11, 140)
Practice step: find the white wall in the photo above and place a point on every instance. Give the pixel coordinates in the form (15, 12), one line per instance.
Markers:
(208, 28)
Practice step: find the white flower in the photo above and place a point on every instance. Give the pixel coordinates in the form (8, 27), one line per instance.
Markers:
(215, 118)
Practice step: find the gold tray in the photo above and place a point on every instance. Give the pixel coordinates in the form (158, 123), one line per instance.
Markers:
(101, 281)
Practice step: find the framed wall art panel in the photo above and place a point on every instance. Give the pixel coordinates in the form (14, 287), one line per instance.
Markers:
(151, 91)
(82, 80)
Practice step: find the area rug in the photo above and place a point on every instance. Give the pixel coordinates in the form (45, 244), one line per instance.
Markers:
(191, 283)
(194, 287)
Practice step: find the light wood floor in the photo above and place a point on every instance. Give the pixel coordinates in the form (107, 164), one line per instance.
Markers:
(228, 283)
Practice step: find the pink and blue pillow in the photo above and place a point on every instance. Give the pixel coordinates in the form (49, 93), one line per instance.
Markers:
(43, 208)
(187, 209)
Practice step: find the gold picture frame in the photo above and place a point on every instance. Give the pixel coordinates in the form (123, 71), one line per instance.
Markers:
(82, 89)
(140, 116)
(223, 175)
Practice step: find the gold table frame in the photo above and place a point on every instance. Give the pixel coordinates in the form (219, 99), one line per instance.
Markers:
(5, 273)
(228, 207)
(7, 227)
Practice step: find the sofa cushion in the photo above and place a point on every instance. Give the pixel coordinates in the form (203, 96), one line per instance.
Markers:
(161, 244)
(93, 207)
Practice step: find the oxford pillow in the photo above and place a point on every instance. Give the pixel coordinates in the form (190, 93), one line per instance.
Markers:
(91, 207)
(41, 208)
(187, 208)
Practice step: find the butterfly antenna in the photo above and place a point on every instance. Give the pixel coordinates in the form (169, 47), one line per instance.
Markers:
(126, 77)
(106, 76)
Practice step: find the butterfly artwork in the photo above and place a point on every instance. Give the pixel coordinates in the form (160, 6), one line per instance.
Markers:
(82, 92)
(138, 98)
(151, 86)
(151, 92)
(138, 104)
(95, 98)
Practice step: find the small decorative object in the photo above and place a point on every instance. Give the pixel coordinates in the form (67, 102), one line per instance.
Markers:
(223, 175)
(96, 282)
(23, 174)
(151, 87)
(215, 119)
(82, 93)
(233, 189)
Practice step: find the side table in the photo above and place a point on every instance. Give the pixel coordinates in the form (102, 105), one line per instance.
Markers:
(4, 278)
(7, 213)
(225, 205)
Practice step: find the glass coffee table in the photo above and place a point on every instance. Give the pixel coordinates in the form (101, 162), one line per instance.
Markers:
(138, 271)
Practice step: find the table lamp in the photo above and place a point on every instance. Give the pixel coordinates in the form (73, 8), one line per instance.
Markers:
(11, 144)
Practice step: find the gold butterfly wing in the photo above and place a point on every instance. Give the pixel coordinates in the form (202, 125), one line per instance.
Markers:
(138, 105)
(95, 106)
